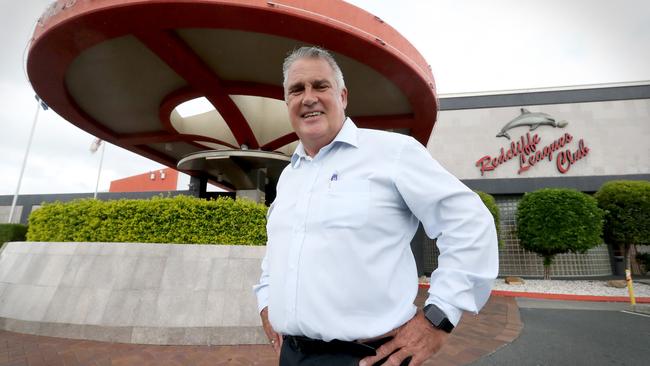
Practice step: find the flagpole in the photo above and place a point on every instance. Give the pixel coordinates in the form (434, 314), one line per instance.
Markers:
(99, 171)
(39, 104)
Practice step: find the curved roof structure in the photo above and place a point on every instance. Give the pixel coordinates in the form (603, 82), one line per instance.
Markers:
(119, 69)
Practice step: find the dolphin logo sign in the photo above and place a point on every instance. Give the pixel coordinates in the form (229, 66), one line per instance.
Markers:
(532, 120)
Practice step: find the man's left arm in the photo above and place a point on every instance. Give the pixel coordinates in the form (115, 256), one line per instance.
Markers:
(466, 238)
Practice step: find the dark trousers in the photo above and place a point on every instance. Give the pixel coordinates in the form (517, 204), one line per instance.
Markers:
(302, 351)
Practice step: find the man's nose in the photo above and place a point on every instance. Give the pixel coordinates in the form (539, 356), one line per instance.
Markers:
(309, 98)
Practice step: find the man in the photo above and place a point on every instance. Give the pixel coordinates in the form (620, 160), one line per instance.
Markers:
(339, 278)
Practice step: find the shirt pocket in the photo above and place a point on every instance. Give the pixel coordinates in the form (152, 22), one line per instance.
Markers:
(346, 204)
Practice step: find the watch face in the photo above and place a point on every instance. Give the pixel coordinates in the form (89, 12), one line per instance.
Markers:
(434, 315)
(438, 318)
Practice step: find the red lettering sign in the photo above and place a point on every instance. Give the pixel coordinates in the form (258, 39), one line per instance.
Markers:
(566, 159)
(528, 153)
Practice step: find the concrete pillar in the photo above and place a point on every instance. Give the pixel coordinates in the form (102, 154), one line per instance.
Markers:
(251, 194)
(198, 186)
(257, 194)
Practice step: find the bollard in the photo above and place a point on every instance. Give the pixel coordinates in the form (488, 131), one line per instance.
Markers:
(630, 288)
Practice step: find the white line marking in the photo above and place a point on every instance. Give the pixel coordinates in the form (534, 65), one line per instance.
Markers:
(635, 313)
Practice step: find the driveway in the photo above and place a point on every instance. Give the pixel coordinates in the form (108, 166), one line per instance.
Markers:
(576, 333)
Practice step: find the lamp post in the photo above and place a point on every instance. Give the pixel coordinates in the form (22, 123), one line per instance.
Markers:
(39, 104)
(97, 143)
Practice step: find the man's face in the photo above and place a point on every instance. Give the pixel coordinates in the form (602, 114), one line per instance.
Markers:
(316, 104)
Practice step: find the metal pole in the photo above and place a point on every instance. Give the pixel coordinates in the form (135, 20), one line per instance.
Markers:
(22, 169)
(99, 171)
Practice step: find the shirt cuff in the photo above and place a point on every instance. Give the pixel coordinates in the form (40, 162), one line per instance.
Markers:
(262, 294)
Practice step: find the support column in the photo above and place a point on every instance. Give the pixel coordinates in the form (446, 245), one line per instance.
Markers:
(257, 194)
(198, 186)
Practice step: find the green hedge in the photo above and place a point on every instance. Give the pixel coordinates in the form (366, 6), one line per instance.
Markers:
(12, 232)
(491, 204)
(180, 219)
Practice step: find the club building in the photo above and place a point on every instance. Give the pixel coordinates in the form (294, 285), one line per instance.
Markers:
(510, 143)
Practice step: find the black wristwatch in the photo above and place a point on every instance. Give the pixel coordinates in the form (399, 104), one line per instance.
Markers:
(437, 318)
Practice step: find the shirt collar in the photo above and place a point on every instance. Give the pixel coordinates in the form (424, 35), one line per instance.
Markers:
(347, 135)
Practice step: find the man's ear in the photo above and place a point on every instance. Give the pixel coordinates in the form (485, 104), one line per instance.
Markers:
(344, 97)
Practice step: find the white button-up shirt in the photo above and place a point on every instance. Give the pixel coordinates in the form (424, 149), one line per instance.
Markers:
(338, 263)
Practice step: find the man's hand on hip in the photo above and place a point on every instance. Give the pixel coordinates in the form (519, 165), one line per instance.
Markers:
(274, 338)
(417, 339)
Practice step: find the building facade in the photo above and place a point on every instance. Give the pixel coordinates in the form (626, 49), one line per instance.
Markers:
(507, 144)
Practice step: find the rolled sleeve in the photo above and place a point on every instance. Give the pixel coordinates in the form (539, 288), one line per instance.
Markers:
(261, 290)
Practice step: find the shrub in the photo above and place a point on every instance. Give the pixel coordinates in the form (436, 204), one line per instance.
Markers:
(644, 260)
(12, 232)
(180, 219)
(627, 218)
(555, 221)
(491, 205)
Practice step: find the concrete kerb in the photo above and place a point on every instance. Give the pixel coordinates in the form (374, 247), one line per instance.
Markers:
(179, 336)
(132, 292)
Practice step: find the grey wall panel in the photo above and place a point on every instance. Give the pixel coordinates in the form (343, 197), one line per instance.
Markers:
(523, 185)
(133, 293)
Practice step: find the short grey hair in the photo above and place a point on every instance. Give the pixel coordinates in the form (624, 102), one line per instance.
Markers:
(312, 52)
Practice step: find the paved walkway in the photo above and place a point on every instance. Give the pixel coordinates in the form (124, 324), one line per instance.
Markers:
(475, 336)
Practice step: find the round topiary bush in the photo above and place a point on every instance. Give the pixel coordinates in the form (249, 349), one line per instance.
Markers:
(555, 221)
(627, 218)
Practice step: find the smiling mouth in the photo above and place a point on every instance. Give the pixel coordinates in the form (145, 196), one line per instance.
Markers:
(311, 114)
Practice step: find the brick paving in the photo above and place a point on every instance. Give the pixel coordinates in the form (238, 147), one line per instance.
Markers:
(475, 336)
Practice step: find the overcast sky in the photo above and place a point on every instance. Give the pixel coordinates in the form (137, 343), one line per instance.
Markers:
(472, 46)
